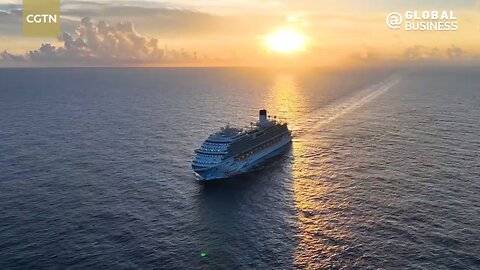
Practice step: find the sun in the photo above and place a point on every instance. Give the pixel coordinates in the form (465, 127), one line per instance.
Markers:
(285, 41)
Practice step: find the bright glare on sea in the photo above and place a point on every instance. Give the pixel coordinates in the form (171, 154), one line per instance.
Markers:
(384, 170)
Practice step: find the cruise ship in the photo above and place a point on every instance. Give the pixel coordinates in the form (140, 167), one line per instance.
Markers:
(233, 151)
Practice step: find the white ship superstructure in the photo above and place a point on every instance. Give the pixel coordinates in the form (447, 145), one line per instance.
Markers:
(233, 151)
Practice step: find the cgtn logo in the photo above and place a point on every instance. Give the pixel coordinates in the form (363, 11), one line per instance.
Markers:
(428, 20)
(41, 18)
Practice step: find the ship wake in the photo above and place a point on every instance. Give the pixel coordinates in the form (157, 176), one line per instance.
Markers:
(320, 118)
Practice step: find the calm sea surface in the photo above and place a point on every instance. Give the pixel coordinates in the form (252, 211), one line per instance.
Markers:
(384, 170)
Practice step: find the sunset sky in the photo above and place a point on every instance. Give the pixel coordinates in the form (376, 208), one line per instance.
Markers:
(239, 33)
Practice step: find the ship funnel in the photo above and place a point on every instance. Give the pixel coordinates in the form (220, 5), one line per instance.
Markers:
(262, 117)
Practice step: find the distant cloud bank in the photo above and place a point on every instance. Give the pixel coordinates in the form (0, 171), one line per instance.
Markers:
(419, 52)
(101, 43)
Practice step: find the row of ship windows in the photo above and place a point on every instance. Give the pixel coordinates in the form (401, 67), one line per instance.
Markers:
(216, 145)
(212, 150)
(206, 162)
(203, 155)
(259, 148)
(206, 146)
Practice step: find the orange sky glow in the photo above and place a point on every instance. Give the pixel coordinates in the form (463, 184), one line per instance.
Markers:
(240, 33)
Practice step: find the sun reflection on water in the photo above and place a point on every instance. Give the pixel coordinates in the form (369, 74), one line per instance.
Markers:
(285, 99)
(319, 239)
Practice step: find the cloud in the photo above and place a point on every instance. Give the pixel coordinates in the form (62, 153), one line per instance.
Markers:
(455, 52)
(152, 17)
(10, 19)
(11, 57)
(419, 52)
(366, 54)
(168, 19)
(181, 19)
(101, 43)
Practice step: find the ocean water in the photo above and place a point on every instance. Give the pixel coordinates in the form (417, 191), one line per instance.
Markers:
(383, 172)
